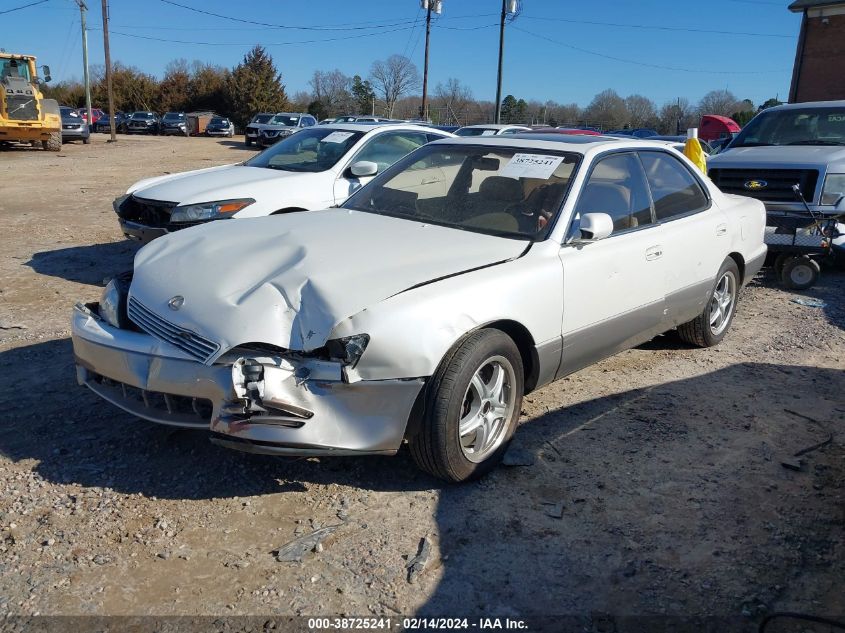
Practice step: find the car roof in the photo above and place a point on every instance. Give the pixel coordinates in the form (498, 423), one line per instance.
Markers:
(495, 126)
(579, 144)
(383, 125)
(807, 105)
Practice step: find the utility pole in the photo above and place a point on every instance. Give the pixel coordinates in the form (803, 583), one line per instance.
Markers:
(112, 113)
(83, 10)
(436, 7)
(508, 6)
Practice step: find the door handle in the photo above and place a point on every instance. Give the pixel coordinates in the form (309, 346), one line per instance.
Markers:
(722, 229)
(654, 252)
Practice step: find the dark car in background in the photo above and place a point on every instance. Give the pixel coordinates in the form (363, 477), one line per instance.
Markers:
(174, 123)
(104, 125)
(220, 126)
(74, 127)
(252, 130)
(640, 132)
(143, 123)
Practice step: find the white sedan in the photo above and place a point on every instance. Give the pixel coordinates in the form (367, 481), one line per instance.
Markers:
(315, 168)
(469, 273)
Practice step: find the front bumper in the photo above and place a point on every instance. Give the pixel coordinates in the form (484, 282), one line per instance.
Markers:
(153, 380)
(139, 232)
(75, 135)
(217, 132)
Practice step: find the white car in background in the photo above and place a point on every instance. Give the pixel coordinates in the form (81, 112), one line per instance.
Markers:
(315, 168)
(469, 273)
(490, 129)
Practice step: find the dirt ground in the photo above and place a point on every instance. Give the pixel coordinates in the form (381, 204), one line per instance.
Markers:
(657, 486)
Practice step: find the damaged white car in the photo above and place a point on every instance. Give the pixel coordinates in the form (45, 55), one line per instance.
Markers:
(466, 275)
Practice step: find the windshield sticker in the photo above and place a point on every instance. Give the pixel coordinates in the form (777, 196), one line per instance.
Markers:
(337, 137)
(531, 166)
(836, 118)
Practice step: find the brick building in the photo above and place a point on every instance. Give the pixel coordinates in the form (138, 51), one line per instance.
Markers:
(819, 71)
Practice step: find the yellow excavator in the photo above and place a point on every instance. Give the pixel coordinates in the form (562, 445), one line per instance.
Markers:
(25, 115)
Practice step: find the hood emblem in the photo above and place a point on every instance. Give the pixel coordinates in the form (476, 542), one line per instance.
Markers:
(176, 302)
(755, 185)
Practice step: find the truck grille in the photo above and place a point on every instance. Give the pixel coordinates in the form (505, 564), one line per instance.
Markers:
(778, 187)
(21, 107)
(197, 346)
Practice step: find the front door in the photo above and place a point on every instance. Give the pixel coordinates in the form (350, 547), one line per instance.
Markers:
(612, 289)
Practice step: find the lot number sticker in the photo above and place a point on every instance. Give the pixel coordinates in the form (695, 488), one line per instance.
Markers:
(337, 137)
(531, 166)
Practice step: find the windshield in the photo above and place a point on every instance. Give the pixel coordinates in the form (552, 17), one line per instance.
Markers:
(14, 68)
(261, 118)
(139, 116)
(311, 150)
(284, 119)
(66, 112)
(798, 126)
(174, 116)
(219, 121)
(498, 191)
(476, 131)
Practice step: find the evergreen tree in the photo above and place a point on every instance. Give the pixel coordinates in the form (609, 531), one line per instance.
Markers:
(255, 86)
(363, 95)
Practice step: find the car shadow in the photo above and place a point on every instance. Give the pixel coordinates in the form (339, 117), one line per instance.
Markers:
(233, 144)
(91, 264)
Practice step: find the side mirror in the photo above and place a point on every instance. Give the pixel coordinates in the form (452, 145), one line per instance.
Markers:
(594, 227)
(46, 70)
(363, 169)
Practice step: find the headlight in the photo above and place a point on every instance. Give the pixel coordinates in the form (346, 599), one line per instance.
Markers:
(113, 302)
(834, 189)
(209, 210)
(348, 350)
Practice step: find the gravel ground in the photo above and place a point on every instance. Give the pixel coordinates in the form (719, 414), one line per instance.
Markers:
(655, 484)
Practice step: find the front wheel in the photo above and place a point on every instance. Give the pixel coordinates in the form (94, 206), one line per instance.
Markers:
(54, 143)
(710, 327)
(472, 408)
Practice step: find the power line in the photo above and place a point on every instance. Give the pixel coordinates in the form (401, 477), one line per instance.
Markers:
(315, 41)
(25, 6)
(655, 28)
(645, 64)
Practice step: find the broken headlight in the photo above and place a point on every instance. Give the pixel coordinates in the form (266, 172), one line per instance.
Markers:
(114, 300)
(348, 350)
(209, 210)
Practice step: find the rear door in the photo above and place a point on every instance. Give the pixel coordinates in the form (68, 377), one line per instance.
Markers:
(694, 234)
(612, 289)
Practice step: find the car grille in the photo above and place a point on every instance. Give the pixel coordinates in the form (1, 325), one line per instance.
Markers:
(74, 126)
(163, 407)
(152, 213)
(197, 346)
(779, 183)
(21, 107)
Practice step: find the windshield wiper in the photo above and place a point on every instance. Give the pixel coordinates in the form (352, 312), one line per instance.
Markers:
(817, 142)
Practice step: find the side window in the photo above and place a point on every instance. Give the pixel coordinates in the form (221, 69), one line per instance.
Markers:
(433, 137)
(674, 189)
(385, 149)
(616, 186)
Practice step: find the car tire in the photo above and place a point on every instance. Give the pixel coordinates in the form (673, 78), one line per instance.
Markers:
(86, 140)
(462, 436)
(721, 307)
(800, 273)
(780, 260)
(247, 142)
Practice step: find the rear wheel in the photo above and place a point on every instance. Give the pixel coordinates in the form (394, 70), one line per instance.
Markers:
(780, 260)
(799, 273)
(710, 327)
(472, 408)
(54, 143)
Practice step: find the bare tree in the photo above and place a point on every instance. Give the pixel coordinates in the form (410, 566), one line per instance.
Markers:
(392, 78)
(608, 109)
(677, 116)
(333, 90)
(453, 97)
(722, 102)
(641, 111)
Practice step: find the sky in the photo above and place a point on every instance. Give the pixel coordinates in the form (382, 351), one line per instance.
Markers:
(564, 50)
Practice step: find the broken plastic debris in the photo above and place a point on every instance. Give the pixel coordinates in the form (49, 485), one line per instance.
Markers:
(296, 549)
(416, 565)
(810, 303)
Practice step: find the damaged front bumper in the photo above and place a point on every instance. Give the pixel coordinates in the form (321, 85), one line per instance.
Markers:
(258, 404)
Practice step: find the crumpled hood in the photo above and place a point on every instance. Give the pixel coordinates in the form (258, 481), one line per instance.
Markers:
(289, 280)
(781, 156)
(205, 185)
